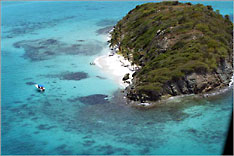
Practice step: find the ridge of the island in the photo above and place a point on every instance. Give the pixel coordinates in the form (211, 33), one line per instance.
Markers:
(179, 48)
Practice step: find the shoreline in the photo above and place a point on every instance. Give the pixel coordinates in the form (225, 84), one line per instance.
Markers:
(153, 104)
(117, 67)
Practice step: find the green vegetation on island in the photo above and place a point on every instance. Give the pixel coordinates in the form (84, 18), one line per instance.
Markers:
(181, 48)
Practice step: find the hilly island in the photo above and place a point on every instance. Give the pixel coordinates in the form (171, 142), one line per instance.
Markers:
(179, 48)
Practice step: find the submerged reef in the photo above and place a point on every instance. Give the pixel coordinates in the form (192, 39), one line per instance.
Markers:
(106, 22)
(44, 49)
(94, 99)
(104, 31)
(68, 76)
(180, 48)
(26, 27)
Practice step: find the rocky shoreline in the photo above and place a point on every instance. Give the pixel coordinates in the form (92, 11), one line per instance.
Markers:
(152, 104)
(181, 88)
(187, 85)
(201, 84)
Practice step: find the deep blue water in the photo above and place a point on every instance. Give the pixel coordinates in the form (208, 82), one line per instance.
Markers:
(52, 43)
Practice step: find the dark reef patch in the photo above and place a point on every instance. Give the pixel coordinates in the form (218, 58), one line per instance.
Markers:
(29, 98)
(86, 137)
(106, 22)
(45, 127)
(65, 152)
(35, 118)
(50, 66)
(94, 99)
(88, 143)
(110, 150)
(61, 147)
(141, 142)
(74, 76)
(17, 102)
(145, 151)
(192, 130)
(100, 77)
(22, 28)
(104, 31)
(68, 76)
(44, 49)
(208, 137)
(25, 125)
(30, 113)
(15, 110)
(178, 115)
(36, 132)
(30, 83)
(29, 78)
(24, 106)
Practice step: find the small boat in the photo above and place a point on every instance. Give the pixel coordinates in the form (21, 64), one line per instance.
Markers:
(40, 87)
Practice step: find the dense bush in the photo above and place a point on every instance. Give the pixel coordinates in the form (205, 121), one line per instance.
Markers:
(172, 39)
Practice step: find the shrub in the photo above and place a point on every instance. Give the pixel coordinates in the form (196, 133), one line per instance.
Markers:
(209, 7)
(202, 27)
(175, 3)
(227, 17)
(178, 45)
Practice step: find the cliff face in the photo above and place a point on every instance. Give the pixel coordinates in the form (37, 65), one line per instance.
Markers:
(181, 48)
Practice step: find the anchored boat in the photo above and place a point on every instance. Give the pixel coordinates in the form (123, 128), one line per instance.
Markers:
(40, 87)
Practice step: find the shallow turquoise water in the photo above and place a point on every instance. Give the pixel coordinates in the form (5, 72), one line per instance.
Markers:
(73, 116)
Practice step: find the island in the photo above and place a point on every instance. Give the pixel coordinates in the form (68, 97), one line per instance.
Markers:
(178, 48)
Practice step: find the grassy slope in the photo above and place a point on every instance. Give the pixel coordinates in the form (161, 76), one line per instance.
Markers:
(170, 40)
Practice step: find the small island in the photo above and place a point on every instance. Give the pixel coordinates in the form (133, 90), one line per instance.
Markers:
(179, 49)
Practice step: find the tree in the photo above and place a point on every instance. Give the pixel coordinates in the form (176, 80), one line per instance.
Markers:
(227, 17)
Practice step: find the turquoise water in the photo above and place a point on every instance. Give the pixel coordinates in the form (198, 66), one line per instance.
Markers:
(81, 111)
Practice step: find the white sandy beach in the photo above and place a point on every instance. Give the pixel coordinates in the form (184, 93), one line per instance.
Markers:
(117, 66)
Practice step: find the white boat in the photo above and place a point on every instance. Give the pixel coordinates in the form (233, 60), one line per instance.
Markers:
(40, 87)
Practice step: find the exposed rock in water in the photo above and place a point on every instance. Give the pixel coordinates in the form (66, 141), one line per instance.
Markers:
(126, 77)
